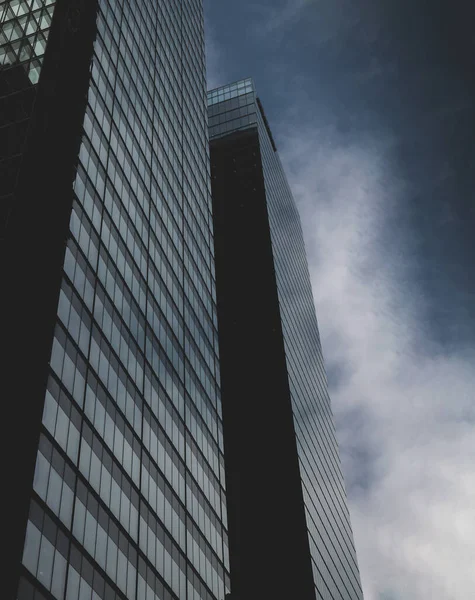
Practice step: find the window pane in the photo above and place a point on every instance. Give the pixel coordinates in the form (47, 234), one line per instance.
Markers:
(59, 576)
(73, 584)
(45, 563)
(40, 482)
(32, 547)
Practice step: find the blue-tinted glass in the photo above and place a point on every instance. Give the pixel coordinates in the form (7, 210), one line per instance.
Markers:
(131, 448)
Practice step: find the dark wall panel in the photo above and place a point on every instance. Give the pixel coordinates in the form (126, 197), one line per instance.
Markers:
(269, 551)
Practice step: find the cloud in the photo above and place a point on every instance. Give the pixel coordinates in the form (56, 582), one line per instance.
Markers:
(278, 16)
(214, 68)
(329, 18)
(404, 406)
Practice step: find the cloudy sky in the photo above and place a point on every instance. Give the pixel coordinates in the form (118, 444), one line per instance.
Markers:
(372, 104)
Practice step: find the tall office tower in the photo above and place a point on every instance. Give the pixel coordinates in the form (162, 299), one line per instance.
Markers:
(115, 483)
(289, 527)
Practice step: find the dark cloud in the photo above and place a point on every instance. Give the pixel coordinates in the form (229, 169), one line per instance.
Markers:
(408, 69)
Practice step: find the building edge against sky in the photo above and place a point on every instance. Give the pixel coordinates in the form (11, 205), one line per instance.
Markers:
(110, 330)
(289, 525)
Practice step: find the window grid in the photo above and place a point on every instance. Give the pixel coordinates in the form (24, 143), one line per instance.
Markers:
(132, 427)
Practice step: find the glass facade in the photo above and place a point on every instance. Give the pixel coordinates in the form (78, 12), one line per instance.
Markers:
(24, 29)
(233, 108)
(128, 497)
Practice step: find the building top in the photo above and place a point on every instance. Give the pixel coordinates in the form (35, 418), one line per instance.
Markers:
(231, 90)
(234, 107)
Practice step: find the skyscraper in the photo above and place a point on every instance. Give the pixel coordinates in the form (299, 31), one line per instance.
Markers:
(289, 527)
(115, 483)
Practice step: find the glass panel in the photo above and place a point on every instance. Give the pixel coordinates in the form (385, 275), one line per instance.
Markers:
(45, 562)
(32, 548)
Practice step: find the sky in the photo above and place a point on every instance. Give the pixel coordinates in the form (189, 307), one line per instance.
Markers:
(372, 107)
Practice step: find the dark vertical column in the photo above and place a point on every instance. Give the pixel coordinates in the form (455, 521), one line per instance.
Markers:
(32, 256)
(17, 96)
(269, 549)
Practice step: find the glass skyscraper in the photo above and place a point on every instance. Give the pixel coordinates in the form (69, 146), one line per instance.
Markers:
(289, 525)
(117, 485)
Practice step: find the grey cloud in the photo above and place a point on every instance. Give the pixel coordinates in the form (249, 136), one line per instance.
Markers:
(215, 75)
(332, 24)
(405, 407)
(277, 16)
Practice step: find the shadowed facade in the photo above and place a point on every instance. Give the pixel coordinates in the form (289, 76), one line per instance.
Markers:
(289, 527)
